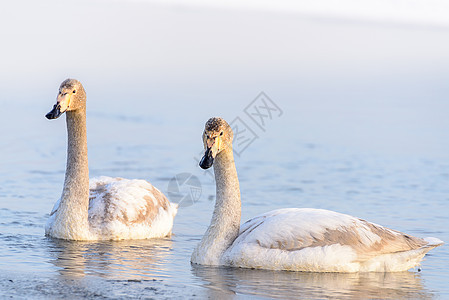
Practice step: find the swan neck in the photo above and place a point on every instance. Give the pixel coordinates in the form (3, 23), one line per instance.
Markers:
(74, 205)
(225, 224)
(227, 212)
(226, 182)
(77, 170)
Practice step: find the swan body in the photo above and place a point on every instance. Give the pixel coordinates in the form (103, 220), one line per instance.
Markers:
(294, 239)
(319, 240)
(122, 209)
(103, 208)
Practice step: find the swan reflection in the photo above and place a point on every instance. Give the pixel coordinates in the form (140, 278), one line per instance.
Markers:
(128, 259)
(223, 282)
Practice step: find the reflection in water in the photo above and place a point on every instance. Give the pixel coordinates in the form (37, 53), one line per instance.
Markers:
(226, 282)
(130, 260)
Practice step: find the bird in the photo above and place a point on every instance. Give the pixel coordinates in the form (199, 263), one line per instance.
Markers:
(103, 208)
(293, 239)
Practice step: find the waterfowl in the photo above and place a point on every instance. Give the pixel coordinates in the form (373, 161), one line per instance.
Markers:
(294, 239)
(105, 208)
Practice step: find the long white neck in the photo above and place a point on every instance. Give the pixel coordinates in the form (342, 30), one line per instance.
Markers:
(225, 223)
(72, 217)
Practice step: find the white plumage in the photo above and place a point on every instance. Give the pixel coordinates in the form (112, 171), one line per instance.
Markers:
(319, 240)
(123, 209)
(294, 239)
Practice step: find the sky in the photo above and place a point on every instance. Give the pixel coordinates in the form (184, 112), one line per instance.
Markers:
(421, 12)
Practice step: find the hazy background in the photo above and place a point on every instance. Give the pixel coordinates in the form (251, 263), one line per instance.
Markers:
(348, 68)
(363, 86)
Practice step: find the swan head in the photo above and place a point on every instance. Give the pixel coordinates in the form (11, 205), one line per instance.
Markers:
(71, 97)
(217, 137)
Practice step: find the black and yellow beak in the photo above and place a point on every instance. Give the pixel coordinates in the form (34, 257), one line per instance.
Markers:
(61, 106)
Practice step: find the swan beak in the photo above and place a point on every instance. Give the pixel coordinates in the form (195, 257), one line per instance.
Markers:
(207, 160)
(61, 106)
(54, 113)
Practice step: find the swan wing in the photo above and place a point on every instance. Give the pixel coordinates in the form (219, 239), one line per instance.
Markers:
(128, 209)
(322, 240)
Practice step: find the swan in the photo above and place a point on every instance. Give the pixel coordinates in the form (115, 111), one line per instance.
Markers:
(293, 239)
(106, 208)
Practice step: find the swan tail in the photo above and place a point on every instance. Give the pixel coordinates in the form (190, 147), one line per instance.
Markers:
(432, 242)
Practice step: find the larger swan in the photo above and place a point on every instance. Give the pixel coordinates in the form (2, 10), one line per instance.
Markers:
(294, 239)
(110, 208)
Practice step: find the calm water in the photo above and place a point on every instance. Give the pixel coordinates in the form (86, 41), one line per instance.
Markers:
(366, 135)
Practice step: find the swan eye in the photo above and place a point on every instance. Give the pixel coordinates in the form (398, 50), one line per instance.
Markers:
(74, 91)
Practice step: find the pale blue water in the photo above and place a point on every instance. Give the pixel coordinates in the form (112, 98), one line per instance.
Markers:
(364, 131)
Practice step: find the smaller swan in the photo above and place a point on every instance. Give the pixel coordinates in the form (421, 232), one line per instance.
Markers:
(108, 208)
(294, 239)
